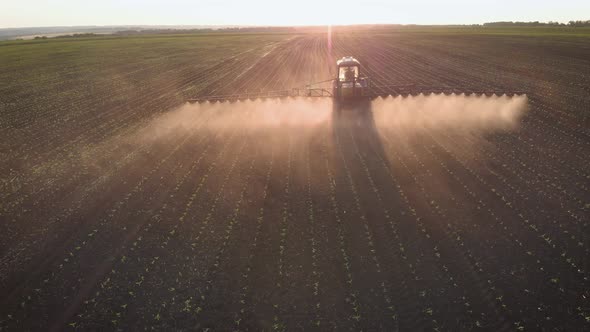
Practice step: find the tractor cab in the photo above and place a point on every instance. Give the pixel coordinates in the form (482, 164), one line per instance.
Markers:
(350, 84)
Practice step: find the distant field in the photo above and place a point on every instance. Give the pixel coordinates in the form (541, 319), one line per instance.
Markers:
(122, 207)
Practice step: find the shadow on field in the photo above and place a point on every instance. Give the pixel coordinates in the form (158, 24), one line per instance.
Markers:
(398, 155)
(357, 117)
(361, 169)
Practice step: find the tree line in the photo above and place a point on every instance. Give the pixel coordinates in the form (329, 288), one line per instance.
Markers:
(583, 23)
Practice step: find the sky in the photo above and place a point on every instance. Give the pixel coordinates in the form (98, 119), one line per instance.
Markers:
(43, 13)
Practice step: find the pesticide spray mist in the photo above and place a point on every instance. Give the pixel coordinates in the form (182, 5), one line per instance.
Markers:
(455, 112)
(414, 114)
(457, 126)
(400, 125)
(407, 121)
(186, 144)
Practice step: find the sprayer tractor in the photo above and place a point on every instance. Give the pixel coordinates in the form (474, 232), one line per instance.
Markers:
(348, 86)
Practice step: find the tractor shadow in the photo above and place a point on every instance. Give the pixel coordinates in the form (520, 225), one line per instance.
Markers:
(354, 123)
(360, 157)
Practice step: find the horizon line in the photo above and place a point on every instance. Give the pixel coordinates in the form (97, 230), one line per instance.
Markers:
(271, 25)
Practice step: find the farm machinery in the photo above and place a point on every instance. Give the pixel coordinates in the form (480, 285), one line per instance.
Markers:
(348, 86)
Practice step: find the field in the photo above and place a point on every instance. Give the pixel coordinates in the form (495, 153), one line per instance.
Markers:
(124, 208)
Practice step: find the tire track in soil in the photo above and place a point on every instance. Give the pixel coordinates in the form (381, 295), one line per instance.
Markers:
(375, 291)
(237, 293)
(168, 240)
(88, 247)
(415, 205)
(130, 248)
(535, 253)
